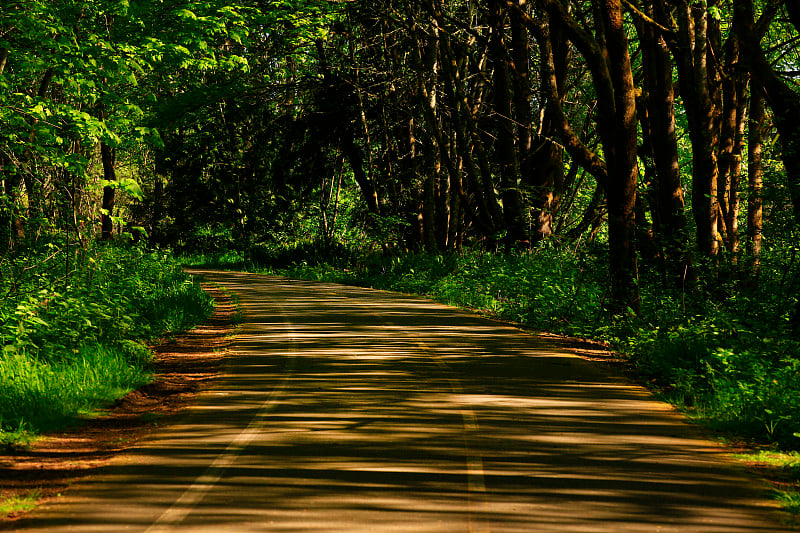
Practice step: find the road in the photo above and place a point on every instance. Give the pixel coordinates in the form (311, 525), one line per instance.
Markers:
(352, 410)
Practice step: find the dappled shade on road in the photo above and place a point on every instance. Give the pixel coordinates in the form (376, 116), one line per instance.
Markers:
(353, 410)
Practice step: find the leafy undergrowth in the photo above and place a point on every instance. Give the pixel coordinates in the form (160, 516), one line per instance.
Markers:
(74, 324)
(19, 503)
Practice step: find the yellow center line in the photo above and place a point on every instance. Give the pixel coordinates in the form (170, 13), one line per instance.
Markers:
(476, 479)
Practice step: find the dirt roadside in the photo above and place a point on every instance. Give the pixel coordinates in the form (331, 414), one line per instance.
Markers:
(183, 366)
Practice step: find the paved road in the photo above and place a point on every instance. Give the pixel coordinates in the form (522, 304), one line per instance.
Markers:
(352, 410)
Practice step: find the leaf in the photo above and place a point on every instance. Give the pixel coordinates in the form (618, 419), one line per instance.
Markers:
(186, 14)
(131, 187)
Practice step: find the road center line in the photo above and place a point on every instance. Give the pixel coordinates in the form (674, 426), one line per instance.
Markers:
(476, 479)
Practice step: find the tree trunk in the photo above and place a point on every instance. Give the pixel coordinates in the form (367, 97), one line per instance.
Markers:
(669, 210)
(734, 95)
(409, 174)
(591, 216)
(785, 104)
(610, 64)
(541, 165)
(349, 148)
(487, 211)
(429, 213)
(692, 53)
(755, 175)
(590, 49)
(505, 152)
(783, 101)
(367, 186)
(545, 170)
(108, 156)
(623, 164)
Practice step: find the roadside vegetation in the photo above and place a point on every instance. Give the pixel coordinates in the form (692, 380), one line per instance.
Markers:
(74, 327)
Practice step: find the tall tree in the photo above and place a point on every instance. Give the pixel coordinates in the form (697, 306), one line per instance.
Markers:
(609, 61)
(661, 134)
(505, 147)
(782, 99)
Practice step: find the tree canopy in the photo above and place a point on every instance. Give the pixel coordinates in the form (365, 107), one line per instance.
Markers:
(657, 127)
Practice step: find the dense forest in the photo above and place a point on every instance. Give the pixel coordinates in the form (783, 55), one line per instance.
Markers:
(626, 170)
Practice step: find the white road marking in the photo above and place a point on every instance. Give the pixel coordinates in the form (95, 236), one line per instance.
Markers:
(194, 494)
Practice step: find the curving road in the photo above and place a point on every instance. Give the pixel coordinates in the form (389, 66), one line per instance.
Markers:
(352, 410)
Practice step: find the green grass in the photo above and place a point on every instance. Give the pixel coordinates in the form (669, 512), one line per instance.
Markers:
(789, 500)
(19, 504)
(49, 395)
(73, 343)
(782, 470)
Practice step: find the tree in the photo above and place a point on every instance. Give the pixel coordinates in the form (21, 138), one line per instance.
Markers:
(609, 61)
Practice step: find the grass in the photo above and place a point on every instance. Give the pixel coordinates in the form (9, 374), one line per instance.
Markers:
(49, 395)
(74, 330)
(19, 504)
(782, 471)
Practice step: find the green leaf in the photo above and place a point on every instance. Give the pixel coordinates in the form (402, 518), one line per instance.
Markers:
(186, 14)
(132, 187)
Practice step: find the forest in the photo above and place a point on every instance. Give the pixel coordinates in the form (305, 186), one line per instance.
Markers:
(626, 171)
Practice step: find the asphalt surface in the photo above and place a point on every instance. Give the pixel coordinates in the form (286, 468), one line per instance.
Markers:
(351, 410)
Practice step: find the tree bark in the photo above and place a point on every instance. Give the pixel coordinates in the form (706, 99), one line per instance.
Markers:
(734, 112)
(623, 167)
(349, 148)
(592, 216)
(755, 176)
(356, 159)
(783, 101)
(545, 169)
(505, 152)
(108, 156)
(691, 50)
(669, 211)
(610, 64)
(578, 151)
(540, 159)
(3, 59)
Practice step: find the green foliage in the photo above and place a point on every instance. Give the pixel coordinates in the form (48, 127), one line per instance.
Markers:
(782, 470)
(19, 504)
(73, 323)
(81, 72)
